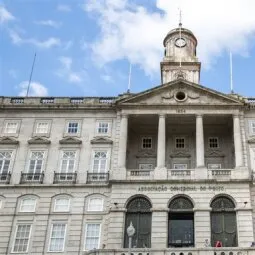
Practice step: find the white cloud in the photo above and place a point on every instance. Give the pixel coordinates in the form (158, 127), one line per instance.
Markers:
(66, 71)
(130, 31)
(50, 23)
(46, 44)
(36, 89)
(64, 8)
(5, 15)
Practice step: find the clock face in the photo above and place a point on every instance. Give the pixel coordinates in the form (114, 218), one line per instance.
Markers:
(180, 42)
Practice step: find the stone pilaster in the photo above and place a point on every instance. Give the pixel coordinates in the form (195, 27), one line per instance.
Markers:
(123, 141)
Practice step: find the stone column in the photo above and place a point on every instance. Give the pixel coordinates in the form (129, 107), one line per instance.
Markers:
(161, 152)
(123, 141)
(200, 151)
(237, 141)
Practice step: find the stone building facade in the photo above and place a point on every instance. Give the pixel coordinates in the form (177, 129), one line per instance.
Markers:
(176, 161)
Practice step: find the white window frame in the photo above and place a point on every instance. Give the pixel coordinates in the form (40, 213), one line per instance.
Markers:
(86, 230)
(90, 206)
(177, 166)
(106, 163)
(142, 143)
(209, 144)
(141, 166)
(68, 122)
(15, 237)
(252, 127)
(16, 131)
(62, 198)
(64, 238)
(101, 127)
(68, 161)
(211, 166)
(22, 209)
(38, 129)
(175, 144)
(4, 159)
(30, 159)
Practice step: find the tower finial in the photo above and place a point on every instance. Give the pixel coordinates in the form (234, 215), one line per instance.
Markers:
(180, 19)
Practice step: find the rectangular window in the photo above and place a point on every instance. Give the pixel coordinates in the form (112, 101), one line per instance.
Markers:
(146, 143)
(62, 205)
(42, 128)
(99, 162)
(11, 127)
(179, 142)
(28, 205)
(72, 127)
(92, 236)
(36, 162)
(5, 161)
(21, 240)
(180, 166)
(95, 204)
(145, 166)
(68, 161)
(57, 237)
(213, 142)
(252, 125)
(214, 166)
(103, 128)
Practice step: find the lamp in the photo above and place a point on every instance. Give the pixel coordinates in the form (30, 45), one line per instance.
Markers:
(130, 233)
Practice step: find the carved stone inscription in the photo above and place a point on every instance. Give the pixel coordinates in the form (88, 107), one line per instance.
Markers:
(164, 188)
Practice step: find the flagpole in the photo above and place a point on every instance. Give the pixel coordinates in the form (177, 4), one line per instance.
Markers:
(231, 72)
(129, 77)
(30, 78)
(180, 35)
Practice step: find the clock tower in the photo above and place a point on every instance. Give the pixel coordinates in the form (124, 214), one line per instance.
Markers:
(180, 59)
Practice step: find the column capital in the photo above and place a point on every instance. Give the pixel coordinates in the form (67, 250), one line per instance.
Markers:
(236, 116)
(199, 115)
(162, 115)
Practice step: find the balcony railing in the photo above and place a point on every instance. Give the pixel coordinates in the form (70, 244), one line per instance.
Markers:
(97, 177)
(219, 173)
(31, 177)
(179, 251)
(5, 178)
(65, 178)
(140, 174)
(180, 173)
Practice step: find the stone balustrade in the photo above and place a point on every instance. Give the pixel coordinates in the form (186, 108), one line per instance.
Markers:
(179, 251)
(134, 174)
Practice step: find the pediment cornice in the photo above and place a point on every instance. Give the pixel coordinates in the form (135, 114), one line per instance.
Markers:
(39, 140)
(8, 140)
(101, 140)
(70, 140)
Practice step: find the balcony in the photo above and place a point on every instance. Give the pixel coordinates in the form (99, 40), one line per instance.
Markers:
(180, 251)
(66, 178)
(5, 178)
(143, 174)
(97, 177)
(31, 178)
(176, 174)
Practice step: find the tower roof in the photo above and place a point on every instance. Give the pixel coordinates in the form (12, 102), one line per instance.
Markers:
(177, 31)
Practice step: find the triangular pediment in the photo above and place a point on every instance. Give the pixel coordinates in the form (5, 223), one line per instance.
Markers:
(251, 140)
(8, 140)
(214, 154)
(180, 92)
(180, 154)
(70, 140)
(101, 140)
(39, 140)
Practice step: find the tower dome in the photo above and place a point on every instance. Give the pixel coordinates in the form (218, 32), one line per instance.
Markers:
(180, 56)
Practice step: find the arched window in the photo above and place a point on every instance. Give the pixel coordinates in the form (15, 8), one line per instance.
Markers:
(181, 223)
(28, 204)
(223, 222)
(138, 212)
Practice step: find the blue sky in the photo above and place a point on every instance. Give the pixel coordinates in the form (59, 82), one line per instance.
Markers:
(84, 47)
